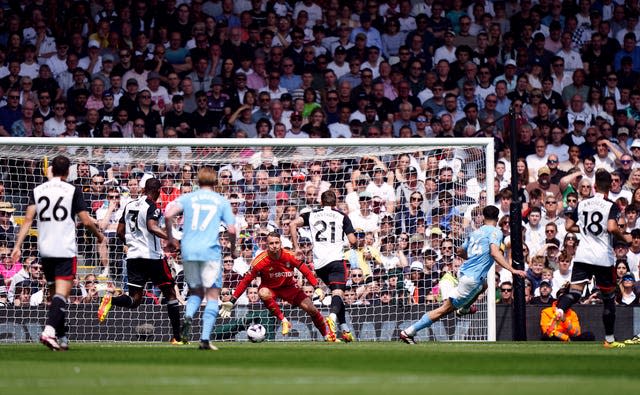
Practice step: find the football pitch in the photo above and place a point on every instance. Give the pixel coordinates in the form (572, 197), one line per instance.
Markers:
(321, 368)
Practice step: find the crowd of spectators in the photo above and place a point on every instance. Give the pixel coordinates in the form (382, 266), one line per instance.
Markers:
(569, 70)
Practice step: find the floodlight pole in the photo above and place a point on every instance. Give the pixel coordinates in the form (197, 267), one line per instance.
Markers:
(517, 256)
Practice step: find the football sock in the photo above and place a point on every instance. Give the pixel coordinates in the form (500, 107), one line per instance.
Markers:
(341, 314)
(193, 304)
(567, 300)
(318, 321)
(273, 307)
(173, 310)
(122, 301)
(209, 319)
(344, 327)
(57, 312)
(609, 314)
(337, 308)
(333, 317)
(424, 322)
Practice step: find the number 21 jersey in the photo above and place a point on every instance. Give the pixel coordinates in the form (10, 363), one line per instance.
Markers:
(592, 216)
(57, 203)
(328, 227)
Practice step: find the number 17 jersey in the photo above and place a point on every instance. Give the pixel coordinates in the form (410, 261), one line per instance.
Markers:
(328, 227)
(592, 216)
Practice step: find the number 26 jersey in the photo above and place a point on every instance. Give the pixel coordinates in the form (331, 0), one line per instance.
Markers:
(328, 227)
(57, 203)
(596, 244)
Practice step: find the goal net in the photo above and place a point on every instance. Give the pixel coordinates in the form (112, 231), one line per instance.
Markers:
(412, 201)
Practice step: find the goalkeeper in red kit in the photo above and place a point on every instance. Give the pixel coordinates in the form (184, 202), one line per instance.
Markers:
(275, 267)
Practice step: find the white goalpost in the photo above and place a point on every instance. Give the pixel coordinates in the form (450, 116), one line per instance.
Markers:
(407, 199)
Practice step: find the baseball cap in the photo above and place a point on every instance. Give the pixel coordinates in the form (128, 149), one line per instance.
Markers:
(216, 81)
(510, 62)
(94, 44)
(636, 143)
(629, 277)
(544, 170)
(377, 167)
(153, 75)
(364, 195)
(623, 130)
(545, 283)
(282, 196)
(107, 58)
(7, 207)
(132, 81)
(417, 266)
(340, 49)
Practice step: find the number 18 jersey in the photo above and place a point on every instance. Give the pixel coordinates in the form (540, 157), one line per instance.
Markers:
(328, 227)
(591, 216)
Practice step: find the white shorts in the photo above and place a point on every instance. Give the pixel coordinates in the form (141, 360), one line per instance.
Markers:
(466, 291)
(206, 274)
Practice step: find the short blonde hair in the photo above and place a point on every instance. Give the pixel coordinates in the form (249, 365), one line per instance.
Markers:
(207, 176)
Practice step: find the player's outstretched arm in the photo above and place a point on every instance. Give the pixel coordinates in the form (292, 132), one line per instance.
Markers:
(173, 209)
(22, 234)
(496, 254)
(620, 234)
(154, 228)
(294, 232)
(571, 226)
(120, 232)
(90, 224)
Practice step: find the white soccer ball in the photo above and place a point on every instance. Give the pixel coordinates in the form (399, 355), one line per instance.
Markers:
(256, 333)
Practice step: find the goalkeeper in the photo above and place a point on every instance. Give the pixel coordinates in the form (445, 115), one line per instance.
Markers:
(275, 268)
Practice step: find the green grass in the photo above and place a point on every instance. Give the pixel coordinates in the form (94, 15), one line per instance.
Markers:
(319, 368)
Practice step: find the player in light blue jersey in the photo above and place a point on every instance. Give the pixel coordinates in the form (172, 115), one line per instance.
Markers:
(482, 248)
(203, 212)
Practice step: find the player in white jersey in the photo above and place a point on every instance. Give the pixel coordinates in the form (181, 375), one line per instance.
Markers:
(480, 251)
(596, 220)
(55, 205)
(138, 228)
(328, 227)
(203, 211)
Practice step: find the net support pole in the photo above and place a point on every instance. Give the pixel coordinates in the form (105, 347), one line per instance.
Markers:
(491, 300)
(517, 256)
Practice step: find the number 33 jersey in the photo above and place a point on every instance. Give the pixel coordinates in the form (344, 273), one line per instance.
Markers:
(141, 242)
(596, 244)
(328, 227)
(57, 203)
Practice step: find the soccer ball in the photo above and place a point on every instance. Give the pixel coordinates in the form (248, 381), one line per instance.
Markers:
(256, 333)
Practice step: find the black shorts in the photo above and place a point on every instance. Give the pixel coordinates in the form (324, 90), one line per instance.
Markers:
(334, 275)
(605, 275)
(140, 270)
(59, 268)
